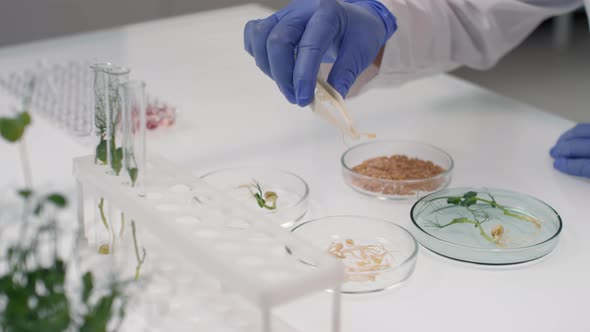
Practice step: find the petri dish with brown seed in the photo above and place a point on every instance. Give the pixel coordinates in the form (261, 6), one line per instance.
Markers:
(390, 169)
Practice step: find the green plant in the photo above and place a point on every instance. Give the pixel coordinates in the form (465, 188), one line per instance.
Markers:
(34, 288)
(262, 198)
(107, 126)
(108, 153)
(35, 295)
(12, 129)
(479, 212)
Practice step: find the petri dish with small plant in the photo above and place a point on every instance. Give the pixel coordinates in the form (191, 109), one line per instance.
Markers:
(377, 254)
(390, 169)
(486, 226)
(282, 194)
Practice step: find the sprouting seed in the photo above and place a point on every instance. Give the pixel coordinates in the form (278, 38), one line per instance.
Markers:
(266, 200)
(104, 249)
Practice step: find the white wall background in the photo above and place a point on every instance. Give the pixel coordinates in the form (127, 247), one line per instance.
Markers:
(556, 80)
(27, 20)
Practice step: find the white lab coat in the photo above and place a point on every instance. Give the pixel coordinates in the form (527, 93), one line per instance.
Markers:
(435, 36)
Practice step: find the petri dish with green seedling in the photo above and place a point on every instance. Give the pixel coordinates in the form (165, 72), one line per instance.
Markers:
(281, 194)
(486, 226)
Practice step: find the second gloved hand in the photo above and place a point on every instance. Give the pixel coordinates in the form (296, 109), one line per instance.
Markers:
(572, 151)
(290, 45)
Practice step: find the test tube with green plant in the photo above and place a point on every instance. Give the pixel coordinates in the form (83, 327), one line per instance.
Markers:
(108, 112)
(134, 132)
(134, 150)
(35, 282)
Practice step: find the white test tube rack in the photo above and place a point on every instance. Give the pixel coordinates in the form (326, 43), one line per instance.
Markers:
(201, 221)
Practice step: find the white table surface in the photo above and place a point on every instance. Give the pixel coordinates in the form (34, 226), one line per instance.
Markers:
(233, 115)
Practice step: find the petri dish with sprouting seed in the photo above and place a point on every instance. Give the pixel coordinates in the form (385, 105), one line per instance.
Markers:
(486, 226)
(281, 194)
(377, 254)
(395, 169)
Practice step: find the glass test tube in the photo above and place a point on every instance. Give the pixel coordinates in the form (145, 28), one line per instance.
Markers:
(117, 76)
(108, 111)
(134, 132)
(101, 119)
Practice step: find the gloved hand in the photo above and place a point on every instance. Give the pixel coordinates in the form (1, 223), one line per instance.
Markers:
(290, 45)
(572, 151)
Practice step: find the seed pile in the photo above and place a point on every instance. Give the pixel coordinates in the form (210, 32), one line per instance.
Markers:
(398, 167)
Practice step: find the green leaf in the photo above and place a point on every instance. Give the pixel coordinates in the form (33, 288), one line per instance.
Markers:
(470, 202)
(116, 155)
(51, 312)
(25, 193)
(99, 316)
(25, 118)
(57, 199)
(38, 209)
(117, 159)
(454, 200)
(12, 129)
(101, 151)
(132, 175)
(259, 200)
(470, 194)
(88, 284)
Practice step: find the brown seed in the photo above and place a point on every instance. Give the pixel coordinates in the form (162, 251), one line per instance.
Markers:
(270, 196)
(398, 167)
(497, 231)
(104, 249)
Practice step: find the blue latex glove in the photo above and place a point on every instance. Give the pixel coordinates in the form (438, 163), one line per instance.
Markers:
(572, 151)
(290, 45)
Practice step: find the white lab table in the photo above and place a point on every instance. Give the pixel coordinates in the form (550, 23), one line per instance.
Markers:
(231, 114)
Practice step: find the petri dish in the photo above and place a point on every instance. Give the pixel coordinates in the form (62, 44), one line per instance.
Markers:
(291, 190)
(388, 189)
(486, 226)
(381, 255)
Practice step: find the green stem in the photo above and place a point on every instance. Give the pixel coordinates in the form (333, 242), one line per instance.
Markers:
(270, 207)
(510, 213)
(106, 225)
(515, 215)
(469, 221)
(102, 215)
(55, 239)
(24, 225)
(483, 233)
(504, 209)
(141, 259)
(122, 230)
(25, 164)
(459, 221)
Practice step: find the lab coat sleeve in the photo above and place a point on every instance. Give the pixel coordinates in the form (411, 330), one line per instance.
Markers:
(435, 36)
